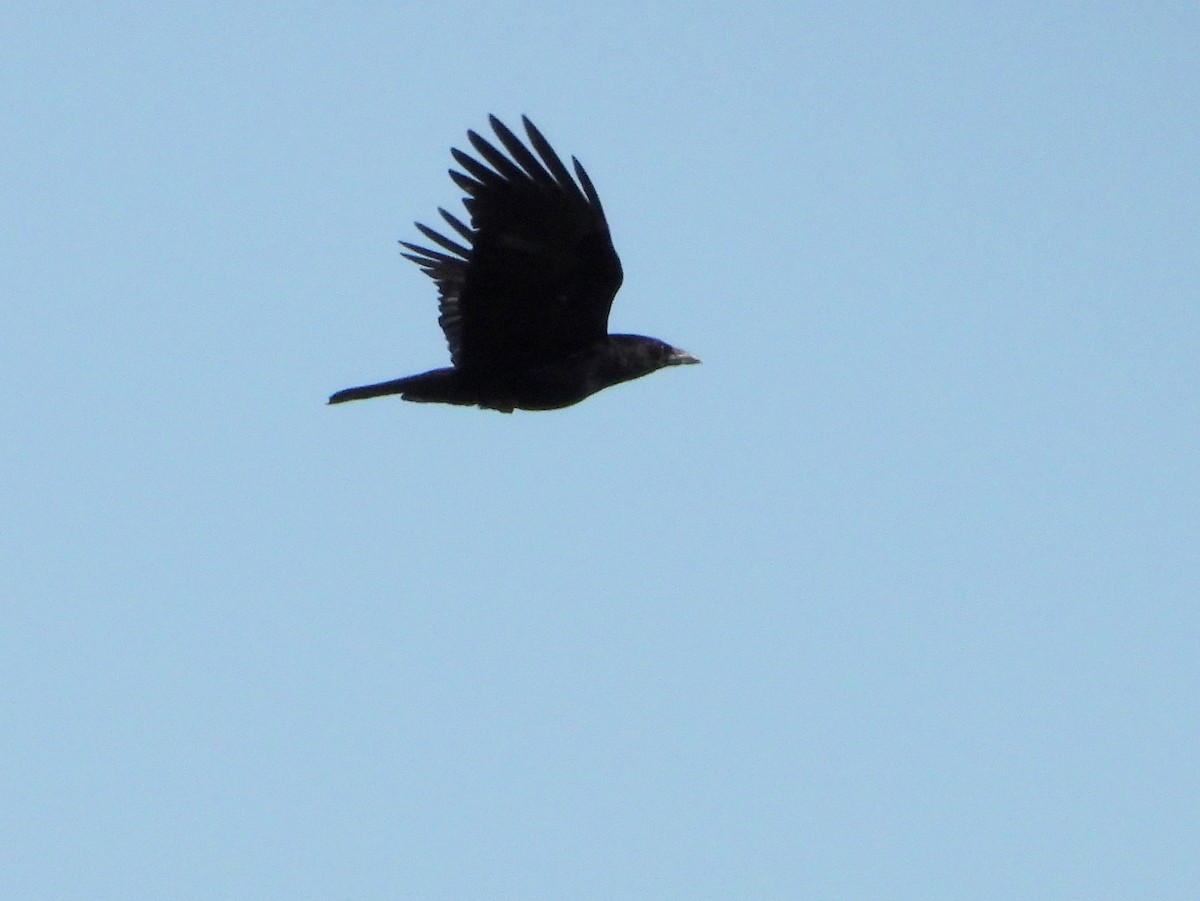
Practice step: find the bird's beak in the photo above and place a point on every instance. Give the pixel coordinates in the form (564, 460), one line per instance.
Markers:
(679, 357)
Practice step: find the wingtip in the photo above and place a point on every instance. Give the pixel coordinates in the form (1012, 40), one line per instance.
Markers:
(532, 130)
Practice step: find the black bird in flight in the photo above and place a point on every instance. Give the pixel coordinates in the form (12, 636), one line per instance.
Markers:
(524, 299)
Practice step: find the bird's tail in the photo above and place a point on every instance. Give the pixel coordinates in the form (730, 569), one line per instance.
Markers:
(436, 386)
(362, 392)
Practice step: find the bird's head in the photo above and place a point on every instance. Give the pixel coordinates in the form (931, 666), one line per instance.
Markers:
(638, 355)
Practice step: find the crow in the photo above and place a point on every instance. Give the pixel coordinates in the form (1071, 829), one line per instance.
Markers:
(524, 299)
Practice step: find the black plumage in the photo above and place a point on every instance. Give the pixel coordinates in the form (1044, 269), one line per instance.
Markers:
(525, 294)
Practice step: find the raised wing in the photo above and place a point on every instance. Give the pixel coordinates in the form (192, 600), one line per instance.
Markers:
(536, 274)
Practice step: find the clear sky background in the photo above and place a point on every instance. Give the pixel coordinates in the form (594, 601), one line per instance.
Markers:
(896, 596)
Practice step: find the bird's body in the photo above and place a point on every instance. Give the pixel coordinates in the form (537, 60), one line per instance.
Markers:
(524, 302)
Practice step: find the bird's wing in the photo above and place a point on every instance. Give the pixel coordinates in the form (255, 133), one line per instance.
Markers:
(536, 273)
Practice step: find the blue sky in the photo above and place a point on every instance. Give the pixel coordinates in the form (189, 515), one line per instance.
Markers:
(894, 597)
